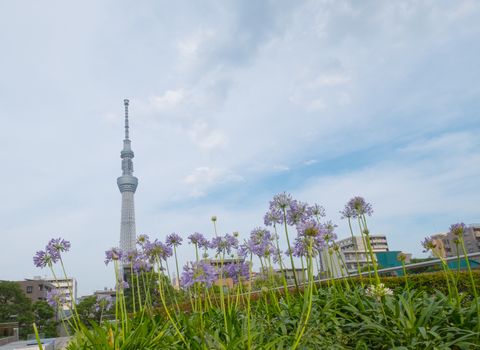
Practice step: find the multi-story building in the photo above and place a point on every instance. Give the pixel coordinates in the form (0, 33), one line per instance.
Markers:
(36, 289)
(349, 250)
(68, 290)
(353, 248)
(447, 243)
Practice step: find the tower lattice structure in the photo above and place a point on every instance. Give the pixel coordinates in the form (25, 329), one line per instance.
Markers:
(127, 184)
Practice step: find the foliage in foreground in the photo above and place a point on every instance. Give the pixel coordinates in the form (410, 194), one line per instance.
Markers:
(353, 320)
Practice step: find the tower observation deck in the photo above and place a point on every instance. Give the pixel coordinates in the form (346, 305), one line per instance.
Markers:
(127, 184)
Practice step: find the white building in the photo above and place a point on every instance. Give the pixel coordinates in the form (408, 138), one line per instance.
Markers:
(68, 288)
(349, 250)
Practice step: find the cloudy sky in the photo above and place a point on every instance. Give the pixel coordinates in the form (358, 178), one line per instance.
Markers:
(232, 102)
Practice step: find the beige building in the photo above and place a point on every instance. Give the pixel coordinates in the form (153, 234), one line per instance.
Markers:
(446, 246)
(36, 289)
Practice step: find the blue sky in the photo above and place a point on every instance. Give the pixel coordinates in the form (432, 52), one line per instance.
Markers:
(232, 102)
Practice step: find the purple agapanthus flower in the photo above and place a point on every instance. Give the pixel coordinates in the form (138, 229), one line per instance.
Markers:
(309, 228)
(310, 231)
(55, 298)
(173, 240)
(458, 229)
(43, 258)
(198, 272)
(198, 239)
(300, 246)
(428, 244)
(157, 249)
(57, 246)
(113, 255)
(273, 217)
(297, 212)
(328, 230)
(357, 206)
(281, 201)
(141, 264)
(260, 244)
(237, 271)
(317, 211)
(121, 285)
(225, 244)
(142, 240)
(130, 256)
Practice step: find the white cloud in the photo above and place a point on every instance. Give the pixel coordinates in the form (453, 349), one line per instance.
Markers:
(205, 137)
(190, 46)
(169, 100)
(204, 178)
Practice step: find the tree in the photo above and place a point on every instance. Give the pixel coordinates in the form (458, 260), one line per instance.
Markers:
(15, 306)
(45, 319)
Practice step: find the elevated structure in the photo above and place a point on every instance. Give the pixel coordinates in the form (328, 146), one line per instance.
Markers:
(127, 184)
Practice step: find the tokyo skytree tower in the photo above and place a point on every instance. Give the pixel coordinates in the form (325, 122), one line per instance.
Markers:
(127, 184)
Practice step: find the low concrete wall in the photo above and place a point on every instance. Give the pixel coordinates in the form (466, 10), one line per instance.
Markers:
(7, 340)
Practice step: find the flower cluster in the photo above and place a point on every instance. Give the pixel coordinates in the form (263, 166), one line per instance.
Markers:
(457, 230)
(429, 244)
(198, 272)
(114, 254)
(55, 298)
(225, 244)
(237, 271)
(378, 291)
(199, 240)
(52, 252)
(173, 240)
(157, 250)
(356, 207)
(260, 244)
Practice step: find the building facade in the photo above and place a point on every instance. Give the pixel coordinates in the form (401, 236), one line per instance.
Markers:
(447, 244)
(36, 289)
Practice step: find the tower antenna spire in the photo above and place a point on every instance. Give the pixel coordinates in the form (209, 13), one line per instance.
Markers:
(125, 102)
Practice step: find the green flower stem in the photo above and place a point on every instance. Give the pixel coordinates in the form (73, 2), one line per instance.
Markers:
(140, 306)
(308, 297)
(472, 281)
(344, 266)
(407, 287)
(249, 334)
(117, 298)
(289, 248)
(39, 342)
(162, 298)
(273, 289)
(133, 288)
(280, 261)
(176, 264)
(222, 300)
(366, 250)
(370, 250)
(354, 241)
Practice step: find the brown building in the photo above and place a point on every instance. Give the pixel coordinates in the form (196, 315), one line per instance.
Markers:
(36, 289)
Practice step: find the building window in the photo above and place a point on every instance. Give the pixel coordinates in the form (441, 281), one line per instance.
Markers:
(29, 289)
